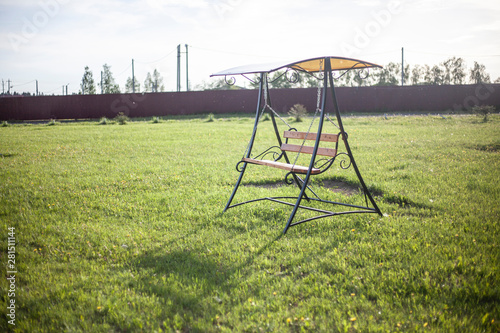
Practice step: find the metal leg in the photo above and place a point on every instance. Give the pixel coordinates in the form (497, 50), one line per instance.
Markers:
(228, 205)
(250, 145)
(348, 148)
(316, 146)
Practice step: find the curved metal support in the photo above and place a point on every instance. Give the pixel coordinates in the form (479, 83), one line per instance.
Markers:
(231, 80)
(343, 161)
(361, 75)
(277, 155)
(292, 78)
(240, 166)
(256, 81)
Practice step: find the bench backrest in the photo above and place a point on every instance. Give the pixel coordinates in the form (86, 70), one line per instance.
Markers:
(308, 149)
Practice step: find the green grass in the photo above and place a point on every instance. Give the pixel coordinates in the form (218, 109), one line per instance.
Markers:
(120, 228)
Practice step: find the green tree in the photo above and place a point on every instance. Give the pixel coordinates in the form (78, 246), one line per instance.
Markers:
(154, 83)
(417, 74)
(129, 86)
(406, 74)
(453, 71)
(309, 82)
(149, 85)
(433, 75)
(108, 82)
(88, 84)
(388, 76)
(478, 74)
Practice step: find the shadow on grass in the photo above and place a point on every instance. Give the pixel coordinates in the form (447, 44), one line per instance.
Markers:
(265, 183)
(192, 282)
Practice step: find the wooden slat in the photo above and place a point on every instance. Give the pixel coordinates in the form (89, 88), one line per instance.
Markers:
(311, 136)
(284, 166)
(308, 149)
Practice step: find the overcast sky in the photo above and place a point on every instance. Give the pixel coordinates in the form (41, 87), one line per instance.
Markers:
(53, 40)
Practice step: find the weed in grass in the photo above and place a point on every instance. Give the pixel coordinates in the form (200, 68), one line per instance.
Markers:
(52, 122)
(104, 121)
(121, 118)
(298, 112)
(210, 118)
(5, 124)
(266, 117)
(156, 120)
(483, 111)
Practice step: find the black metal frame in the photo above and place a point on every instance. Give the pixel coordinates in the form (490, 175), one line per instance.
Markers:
(303, 183)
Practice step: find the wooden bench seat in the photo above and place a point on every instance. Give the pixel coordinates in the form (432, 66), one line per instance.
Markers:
(284, 166)
(331, 152)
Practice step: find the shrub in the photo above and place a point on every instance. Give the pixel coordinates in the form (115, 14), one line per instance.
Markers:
(483, 111)
(121, 118)
(210, 118)
(266, 117)
(156, 120)
(5, 124)
(52, 122)
(103, 121)
(298, 111)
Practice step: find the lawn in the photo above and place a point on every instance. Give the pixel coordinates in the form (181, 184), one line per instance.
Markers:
(119, 228)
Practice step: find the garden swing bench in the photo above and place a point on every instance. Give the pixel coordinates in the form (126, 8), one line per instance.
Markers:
(321, 68)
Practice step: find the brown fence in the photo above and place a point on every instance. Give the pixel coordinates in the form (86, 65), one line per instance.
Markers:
(362, 99)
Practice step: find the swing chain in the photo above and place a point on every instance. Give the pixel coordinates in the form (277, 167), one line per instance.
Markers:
(266, 105)
(328, 117)
(260, 116)
(277, 115)
(318, 108)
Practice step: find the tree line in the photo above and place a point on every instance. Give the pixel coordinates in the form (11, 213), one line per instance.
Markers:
(108, 85)
(453, 71)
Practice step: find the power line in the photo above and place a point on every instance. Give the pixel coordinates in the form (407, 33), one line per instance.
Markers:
(126, 69)
(158, 60)
(23, 84)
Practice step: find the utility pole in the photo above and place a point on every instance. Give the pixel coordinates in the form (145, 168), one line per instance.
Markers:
(101, 83)
(37, 87)
(133, 77)
(187, 76)
(178, 67)
(402, 67)
(3, 87)
(8, 86)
